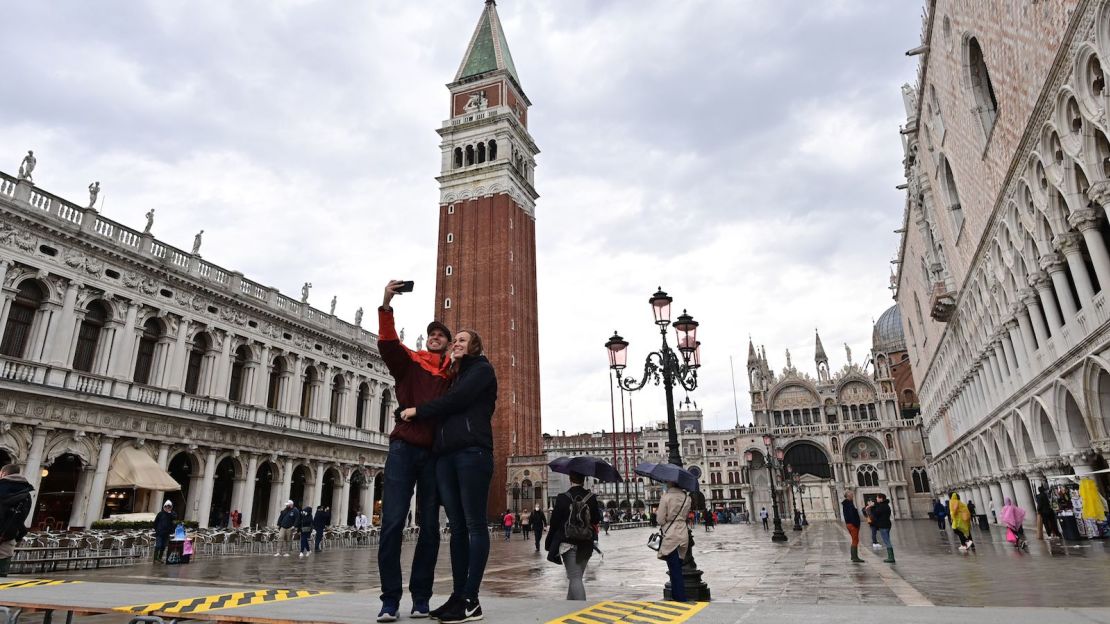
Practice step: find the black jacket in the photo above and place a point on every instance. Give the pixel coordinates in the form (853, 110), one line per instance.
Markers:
(561, 514)
(880, 515)
(164, 523)
(851, 514)
(288, 517)
(537, 520)
(465, 413)
(10, 487)
(304, 521)
(322, 520)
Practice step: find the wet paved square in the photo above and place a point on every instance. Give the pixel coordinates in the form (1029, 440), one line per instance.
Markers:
(740, 565)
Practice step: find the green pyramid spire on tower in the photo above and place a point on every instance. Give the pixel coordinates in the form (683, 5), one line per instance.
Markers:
(488, 50)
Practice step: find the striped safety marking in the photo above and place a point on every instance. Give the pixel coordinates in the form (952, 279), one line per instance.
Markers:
(33, 583)
(632, 612)
(220, 601)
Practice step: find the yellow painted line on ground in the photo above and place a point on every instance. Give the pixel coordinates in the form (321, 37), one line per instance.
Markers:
(232, 600)
(632, 612)
(25, 583)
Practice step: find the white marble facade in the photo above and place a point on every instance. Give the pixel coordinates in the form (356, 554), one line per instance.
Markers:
(113, 340)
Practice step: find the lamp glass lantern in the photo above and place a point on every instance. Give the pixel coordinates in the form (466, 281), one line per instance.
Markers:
(767, 439)
(779, 453)
(661, 307)
(748, 457)
(686, 334)
(618, 352)
(696, 363)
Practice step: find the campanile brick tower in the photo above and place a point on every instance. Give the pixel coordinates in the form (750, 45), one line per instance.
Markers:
(486, 271)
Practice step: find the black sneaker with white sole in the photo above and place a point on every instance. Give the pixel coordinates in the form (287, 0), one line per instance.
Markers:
(446, 607)
(463, 611)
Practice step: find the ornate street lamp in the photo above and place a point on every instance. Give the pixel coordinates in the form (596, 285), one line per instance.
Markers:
(793, 480)
(666, 367)
(768, 441)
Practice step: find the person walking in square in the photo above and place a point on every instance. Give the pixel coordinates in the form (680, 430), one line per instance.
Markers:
(961, 522)
(673, 509)
(420, 376)
(1046, 515)
(525, 523)
(304, 527)
(574, 530)
(507, 524)
(1013, 517)
(16, 492)
(867, 509)
(538, 521)
(320, 522)
(164, 523)
(851, 522)
(763, 517)
(881, 522)
(464, 469)
(286, 522)
(940, 512)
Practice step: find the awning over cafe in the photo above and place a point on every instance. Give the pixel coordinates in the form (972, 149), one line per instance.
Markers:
(132, 467)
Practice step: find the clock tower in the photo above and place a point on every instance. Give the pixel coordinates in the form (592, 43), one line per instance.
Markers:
(486, 271)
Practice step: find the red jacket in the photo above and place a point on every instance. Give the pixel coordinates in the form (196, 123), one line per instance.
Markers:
(420, 375)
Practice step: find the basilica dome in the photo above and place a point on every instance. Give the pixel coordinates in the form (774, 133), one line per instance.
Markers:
(887, 336)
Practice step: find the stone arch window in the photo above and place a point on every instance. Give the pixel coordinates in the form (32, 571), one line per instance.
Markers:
(920, 481)
(449, 270)
(308, 390)
(88, 337)
(450, 237)
(867, 476)
(979, 81)
(384, 411)
(451, 209)
(469, 155)
(238, 366)
(21, 317)
(835, 444)
(955, 208)
(447, 303)
(148, 344)
(196, 360)
(493, 149)
(338, 386)
(938, 117)
(458, 157)
(481, 152)
(360, 406)
(889, 441)
(277, 375)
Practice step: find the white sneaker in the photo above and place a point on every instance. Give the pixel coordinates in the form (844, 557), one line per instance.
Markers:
(277, 554)
(284, 554)
(875, 546)
(970, 544)
(300, 555)
(308, 554)
(963, 549)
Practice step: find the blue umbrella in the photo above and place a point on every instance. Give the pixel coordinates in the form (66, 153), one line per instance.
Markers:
(588, 466)
(668, 473)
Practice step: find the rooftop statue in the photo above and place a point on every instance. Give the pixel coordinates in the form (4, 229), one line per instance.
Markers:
(196, 242)
(333, 302)
(149, 221)
(27, 166)
(94, 190)
(358, 317)
(304, 291)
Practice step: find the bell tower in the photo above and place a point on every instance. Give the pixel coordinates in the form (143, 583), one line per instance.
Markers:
(486, 271)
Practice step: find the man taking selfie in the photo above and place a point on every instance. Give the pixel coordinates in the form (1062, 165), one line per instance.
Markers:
(421, 376)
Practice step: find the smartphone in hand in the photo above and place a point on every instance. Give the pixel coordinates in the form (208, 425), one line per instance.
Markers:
(406, 286)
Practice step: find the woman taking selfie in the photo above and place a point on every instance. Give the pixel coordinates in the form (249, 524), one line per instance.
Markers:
(464, 450)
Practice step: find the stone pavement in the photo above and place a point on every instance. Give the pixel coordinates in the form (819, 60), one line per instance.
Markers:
(748, 574)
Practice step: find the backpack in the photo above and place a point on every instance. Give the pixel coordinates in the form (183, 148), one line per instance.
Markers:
(13, 515)
(578, 528)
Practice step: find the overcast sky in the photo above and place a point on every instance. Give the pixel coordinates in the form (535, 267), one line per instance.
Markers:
(742, 155)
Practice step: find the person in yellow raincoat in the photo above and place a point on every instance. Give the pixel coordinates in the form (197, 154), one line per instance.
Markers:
(1094, 507)
(961, 522)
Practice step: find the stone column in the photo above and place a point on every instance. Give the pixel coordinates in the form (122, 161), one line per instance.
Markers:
(173, 374)
(1007, 487)
(157, 497)
(366, 497)
(318, 485)
(1043, 284)
(100, 480)
(1008, 350)
(339, 512)
(246, 501)
(996, 498)
(220, 382)
(120, 365)
(1070, 244)
(208, 480)
(286, 486)
(1017, 348)
(33, 468)
(1086, 221)
(61, 332)
(1026, 326)
(1023, 491)
(294, 387)
(262, 378)
(1055, 268)
(82, 496)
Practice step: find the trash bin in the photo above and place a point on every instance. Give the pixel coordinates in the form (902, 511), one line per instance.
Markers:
(984, 524)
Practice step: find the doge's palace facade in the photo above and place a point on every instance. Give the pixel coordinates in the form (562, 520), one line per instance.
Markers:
(124, 360)
(1003, 267)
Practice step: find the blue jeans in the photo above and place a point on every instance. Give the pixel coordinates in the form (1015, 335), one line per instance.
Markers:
(874, 534)
(674, 570)
(885, 534)
(305, 535)
(408, 467)
(464, 479)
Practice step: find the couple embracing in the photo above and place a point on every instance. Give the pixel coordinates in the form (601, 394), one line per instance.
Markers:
(441, 446)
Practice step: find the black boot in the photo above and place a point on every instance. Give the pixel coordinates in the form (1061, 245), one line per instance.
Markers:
(855, 555)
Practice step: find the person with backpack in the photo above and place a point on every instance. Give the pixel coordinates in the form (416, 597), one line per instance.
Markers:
(304, 526)
(570, 541)
(507, 524)
(320, 523)
(164, 523)
(674, 506)
(15, 506)
(538, 521)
